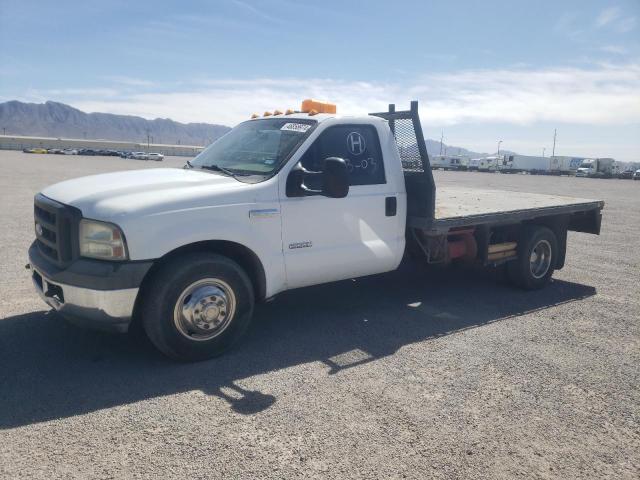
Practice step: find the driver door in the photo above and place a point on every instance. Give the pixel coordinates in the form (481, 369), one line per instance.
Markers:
(327, 239)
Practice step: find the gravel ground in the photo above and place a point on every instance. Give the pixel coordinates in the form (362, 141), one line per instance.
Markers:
(446, 374)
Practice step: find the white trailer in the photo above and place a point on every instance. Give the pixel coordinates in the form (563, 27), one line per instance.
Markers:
(489, 164)
(565, 165)
(523, 163)
(449, 162)
(474, 164)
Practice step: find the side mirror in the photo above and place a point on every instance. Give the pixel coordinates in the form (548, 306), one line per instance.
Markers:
(334, 180)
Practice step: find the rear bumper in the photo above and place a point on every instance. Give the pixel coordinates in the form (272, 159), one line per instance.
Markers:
(89, 293)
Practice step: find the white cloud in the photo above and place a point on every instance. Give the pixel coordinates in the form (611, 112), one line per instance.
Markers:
(615, 49)
(130, 81)
(607, 16)
(626, 25)
(605, 94)
(613, 18)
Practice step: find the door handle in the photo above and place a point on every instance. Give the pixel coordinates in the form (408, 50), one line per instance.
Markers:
(390, 206)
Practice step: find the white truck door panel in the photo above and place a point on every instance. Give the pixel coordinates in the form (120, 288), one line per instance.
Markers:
(327, 239)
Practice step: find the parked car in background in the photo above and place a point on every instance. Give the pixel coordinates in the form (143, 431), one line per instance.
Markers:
(70, 151)
(636, 176)
(158, 157)
(55, 151)
(38, 150)
(140, 156)
(626, 175)
(87, 151)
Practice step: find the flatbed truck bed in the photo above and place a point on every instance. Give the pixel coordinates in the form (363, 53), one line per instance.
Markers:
(462, 207)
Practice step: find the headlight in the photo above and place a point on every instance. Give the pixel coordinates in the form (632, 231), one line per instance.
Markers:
(101, 240)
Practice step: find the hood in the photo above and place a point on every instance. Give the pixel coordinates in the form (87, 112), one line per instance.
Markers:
(111, 195)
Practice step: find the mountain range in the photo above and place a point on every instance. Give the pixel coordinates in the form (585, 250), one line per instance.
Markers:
(54, 119)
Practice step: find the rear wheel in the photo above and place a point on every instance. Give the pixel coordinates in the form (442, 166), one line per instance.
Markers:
(196, 306)
(537, 252)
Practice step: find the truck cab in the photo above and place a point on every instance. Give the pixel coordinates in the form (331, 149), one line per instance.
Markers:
(284, 200)
(587, 168)
(597, 168)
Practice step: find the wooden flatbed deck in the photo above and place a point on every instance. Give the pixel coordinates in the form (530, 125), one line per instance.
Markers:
(457, 207)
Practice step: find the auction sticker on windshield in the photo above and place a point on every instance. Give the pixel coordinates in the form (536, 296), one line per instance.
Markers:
(296, 127)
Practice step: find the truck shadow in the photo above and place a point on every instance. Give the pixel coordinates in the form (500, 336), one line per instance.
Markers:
(51, 370)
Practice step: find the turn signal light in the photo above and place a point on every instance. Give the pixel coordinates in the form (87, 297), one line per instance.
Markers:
(310, 105)
(277, 112)
(290, 111)
(255, 115)
(267, 114)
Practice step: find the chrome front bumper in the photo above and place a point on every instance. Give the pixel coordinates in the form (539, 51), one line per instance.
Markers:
(109, 310)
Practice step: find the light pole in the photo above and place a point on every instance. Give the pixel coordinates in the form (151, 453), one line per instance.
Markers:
(499, 143)
(543, 149)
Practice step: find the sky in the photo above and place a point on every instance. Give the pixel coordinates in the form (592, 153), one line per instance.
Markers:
(483, 71)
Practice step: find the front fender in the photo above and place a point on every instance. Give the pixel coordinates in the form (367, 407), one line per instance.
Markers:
(154, 236)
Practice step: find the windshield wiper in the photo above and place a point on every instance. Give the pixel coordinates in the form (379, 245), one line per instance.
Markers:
(226, 171)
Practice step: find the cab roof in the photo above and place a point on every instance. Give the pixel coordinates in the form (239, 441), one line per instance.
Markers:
(319, 117)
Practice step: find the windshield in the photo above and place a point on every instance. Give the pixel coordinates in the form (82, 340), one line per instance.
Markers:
(256, 147)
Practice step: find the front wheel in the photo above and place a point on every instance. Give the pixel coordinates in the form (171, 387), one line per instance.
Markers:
(196, 306)
(537, 252)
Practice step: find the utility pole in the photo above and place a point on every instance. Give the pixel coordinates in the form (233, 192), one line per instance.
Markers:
(543, 149)
(553, 154)
(499, 143)
(147, 130)
(4, 130)
(441, 138)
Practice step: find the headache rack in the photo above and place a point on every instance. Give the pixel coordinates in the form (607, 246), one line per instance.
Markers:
(421, 189)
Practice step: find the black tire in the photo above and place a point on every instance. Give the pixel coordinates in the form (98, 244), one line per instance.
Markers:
(521, 272)
(165, 289)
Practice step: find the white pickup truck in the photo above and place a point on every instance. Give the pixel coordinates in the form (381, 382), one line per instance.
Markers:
(282, 201)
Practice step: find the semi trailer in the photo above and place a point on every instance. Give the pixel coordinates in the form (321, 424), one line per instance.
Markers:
(450, 162)
(490, 164)
(284, 200)
(523, 163)
(563, 165)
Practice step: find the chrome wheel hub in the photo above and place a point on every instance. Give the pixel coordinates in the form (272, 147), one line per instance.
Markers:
(540, 259)
(204, 309)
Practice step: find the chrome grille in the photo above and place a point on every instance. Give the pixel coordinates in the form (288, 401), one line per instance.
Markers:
(54, 226)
